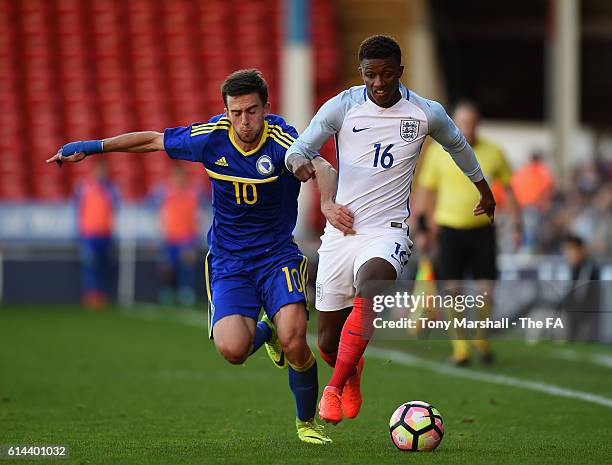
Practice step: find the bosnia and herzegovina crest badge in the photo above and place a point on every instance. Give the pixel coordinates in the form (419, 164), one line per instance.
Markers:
(409, 129)
(264, 165)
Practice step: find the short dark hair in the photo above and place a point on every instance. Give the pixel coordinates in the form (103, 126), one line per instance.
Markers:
(573, 239)
(467, 103)
(244, 82)
(380, 46)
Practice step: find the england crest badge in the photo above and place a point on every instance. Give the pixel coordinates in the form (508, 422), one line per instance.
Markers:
(409, 129)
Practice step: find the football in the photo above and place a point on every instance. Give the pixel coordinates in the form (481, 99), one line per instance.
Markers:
(416, 426)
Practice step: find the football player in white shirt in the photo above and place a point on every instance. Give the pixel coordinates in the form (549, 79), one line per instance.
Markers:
(379, 129)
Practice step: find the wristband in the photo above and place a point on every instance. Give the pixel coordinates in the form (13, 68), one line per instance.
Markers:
(88, 147)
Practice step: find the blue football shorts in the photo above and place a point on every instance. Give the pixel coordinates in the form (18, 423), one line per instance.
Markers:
(242, 286)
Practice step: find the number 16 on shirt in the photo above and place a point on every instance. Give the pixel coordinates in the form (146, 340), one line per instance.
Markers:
(386, 159)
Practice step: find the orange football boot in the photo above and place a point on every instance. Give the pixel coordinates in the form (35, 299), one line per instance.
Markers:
(351, 394)
(330, 408)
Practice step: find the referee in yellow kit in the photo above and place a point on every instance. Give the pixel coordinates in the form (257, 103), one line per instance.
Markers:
(466, 244)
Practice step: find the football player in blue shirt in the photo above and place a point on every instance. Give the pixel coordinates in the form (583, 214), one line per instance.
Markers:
(253, 261)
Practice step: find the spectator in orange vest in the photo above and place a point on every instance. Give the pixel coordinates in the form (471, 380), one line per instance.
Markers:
(178, 201)
(96, 202)
(533, 186)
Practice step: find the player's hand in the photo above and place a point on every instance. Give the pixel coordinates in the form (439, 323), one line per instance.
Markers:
(486, 205)
(339, 217)
(301, 167)
(75, 151)
(59, 158)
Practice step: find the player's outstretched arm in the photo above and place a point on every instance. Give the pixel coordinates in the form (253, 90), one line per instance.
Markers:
(132, 142)
(327, 179)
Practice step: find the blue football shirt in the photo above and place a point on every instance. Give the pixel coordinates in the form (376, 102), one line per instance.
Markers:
(254, 197)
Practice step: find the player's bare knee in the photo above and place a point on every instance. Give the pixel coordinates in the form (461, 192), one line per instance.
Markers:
(297, 351)
(236, 354)
(235, 358)
(328, 341)
(293, 340)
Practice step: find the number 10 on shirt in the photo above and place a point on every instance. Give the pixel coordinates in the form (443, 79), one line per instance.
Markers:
(248, 197)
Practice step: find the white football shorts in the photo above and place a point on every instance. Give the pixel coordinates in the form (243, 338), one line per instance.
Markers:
(340, 258)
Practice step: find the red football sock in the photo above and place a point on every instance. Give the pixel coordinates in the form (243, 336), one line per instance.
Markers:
(330, 358)
(356, 334)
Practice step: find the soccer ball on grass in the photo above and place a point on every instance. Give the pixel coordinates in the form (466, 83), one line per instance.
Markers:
(416, 426)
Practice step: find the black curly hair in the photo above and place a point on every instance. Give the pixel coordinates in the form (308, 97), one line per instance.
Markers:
(380, 46)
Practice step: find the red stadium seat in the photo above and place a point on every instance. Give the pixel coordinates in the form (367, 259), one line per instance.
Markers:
(143, 64)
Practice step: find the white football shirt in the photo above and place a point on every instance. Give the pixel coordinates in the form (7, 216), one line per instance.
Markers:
(378, 149)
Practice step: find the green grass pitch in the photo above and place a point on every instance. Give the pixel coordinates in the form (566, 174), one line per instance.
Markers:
(143, 388)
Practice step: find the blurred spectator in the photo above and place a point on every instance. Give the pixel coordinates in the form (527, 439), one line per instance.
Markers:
(533, 186)
(178, 201)
(582, 303)
(466, 244)
(584, 209)
(96, 201)
(601, 241)
(588, 214)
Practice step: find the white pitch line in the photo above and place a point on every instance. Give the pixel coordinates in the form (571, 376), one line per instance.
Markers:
(575, 356)
(406, 359)
(603, 360)
(198, 319)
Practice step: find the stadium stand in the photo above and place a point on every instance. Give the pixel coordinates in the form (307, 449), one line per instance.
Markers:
(142, 64)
